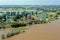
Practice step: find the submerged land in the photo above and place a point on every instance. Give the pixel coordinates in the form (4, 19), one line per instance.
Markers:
(50, 31)
(29, 22)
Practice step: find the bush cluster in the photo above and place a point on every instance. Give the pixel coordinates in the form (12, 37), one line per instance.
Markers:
(19, 24)
(15, 25)
(10, 34)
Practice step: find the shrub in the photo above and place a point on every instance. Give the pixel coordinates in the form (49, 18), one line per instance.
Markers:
(30, 23)
(15, 25)
(35, 22)
(42, 21)
(23, 31)
(16, 32)
(3, 37)
(19, 24)
(10, 34)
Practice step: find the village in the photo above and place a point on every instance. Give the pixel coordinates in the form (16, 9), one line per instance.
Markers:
(14, 20)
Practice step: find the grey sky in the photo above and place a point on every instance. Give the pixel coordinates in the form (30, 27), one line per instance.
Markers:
(29, 2)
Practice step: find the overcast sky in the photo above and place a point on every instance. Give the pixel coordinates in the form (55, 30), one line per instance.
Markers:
(29, 2)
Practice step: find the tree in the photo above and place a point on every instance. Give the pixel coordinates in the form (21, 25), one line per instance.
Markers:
(0, 18)
(4, 17)
(58, 13)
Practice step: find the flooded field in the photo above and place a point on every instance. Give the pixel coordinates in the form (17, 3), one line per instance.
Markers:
(49, 31)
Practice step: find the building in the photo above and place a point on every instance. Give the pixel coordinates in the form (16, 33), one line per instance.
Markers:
(13, 12)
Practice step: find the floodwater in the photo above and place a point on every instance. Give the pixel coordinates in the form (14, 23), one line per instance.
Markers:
(50, 31)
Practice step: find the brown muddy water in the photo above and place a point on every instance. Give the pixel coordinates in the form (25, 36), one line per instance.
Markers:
(50, 31)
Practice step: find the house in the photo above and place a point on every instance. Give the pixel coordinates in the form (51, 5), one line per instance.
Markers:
(13, 12)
